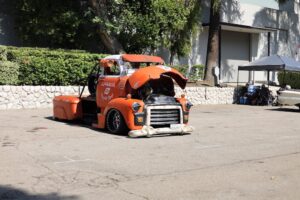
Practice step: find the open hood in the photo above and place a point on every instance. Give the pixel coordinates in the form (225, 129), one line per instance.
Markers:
(143, 75)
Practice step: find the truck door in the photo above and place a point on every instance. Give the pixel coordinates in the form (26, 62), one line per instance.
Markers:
(107, 89)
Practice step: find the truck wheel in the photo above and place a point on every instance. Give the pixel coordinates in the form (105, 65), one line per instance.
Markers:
(115, 122)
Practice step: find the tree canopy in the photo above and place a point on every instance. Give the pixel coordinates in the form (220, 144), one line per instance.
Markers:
(49, 23)
(135, 26)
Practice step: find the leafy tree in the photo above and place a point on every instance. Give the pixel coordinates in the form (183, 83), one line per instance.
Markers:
(180, 41)
(100, 13)
(135, 26)
(139, 26)
(50, 23)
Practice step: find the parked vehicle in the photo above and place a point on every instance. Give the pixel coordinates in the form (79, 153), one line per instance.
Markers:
(132, 93)
(288, 96)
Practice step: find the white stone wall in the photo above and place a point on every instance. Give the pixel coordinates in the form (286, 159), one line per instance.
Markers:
(20, 97)
(208, 95)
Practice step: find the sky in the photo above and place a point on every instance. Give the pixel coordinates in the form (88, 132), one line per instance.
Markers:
(264, 3)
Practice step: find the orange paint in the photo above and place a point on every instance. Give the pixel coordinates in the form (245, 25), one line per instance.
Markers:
(115, 91)
(124, 105)
(67, 107)
(142, 58)
(143, 75)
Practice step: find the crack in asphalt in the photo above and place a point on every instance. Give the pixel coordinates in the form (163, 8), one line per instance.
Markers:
(215, 166)
(50, 172)
(134, 194)
(114, 182)
(109, 181)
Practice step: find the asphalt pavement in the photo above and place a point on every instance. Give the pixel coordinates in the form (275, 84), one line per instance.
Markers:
(236, 152)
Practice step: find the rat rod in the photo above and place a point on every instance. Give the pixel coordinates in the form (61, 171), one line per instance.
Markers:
(132, 93)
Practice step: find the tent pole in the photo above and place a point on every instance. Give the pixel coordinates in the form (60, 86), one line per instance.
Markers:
(268, 77)
(283, 77)
(237, 87)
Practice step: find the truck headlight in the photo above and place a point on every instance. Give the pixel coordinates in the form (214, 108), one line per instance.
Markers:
(136, 106)
(188, 105)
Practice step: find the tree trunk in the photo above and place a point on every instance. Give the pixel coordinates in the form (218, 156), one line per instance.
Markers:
(111, 43)
(172, 55)
(213, 43)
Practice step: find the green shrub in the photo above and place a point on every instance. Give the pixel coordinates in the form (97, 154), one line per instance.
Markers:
(3, 53)
(39, 66)
(181, 68)
(290, 78)
(9, 72)
(196, 72)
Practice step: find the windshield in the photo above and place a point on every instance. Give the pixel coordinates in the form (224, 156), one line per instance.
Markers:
(130, 67)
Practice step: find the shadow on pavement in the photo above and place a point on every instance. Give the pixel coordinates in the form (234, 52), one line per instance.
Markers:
(285, 109)
(10, 193)
(78, 123)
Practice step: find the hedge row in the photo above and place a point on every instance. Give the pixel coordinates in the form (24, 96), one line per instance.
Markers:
(41, 66)
(9, 72)
(3, 53)
(290, 78)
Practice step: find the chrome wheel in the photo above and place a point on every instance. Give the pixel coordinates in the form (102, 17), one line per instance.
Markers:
(115, 122)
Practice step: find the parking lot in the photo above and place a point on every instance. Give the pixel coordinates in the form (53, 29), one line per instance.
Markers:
(236, 152)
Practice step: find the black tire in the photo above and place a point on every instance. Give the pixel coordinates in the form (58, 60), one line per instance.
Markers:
(115, 122)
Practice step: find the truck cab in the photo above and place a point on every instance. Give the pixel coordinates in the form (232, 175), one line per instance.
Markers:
(131, 94)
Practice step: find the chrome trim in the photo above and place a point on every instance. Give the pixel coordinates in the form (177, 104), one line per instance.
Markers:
(148, 109)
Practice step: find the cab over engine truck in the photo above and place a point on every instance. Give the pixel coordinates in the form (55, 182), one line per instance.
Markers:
(131, 94)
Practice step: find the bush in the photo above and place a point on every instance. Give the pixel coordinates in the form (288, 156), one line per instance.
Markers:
(290, 78)
(3, 53)
(40, 66)
(181, 68)
(196, 72)
(9, 72)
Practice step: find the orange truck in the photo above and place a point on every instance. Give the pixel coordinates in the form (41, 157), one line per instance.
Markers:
(131, 94)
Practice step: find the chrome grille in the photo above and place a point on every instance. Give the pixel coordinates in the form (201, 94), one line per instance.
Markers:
(164, 116)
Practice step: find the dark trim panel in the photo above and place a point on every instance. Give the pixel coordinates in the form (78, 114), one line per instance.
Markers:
(263, 29)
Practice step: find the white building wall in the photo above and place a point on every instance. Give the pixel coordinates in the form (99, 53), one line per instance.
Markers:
(235, 49)
(284, 41)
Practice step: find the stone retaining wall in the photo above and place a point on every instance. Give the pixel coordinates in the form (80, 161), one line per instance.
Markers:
(19, 97)
(208, 95)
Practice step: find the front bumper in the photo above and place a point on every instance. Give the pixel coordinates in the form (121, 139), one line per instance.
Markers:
(149, 131)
